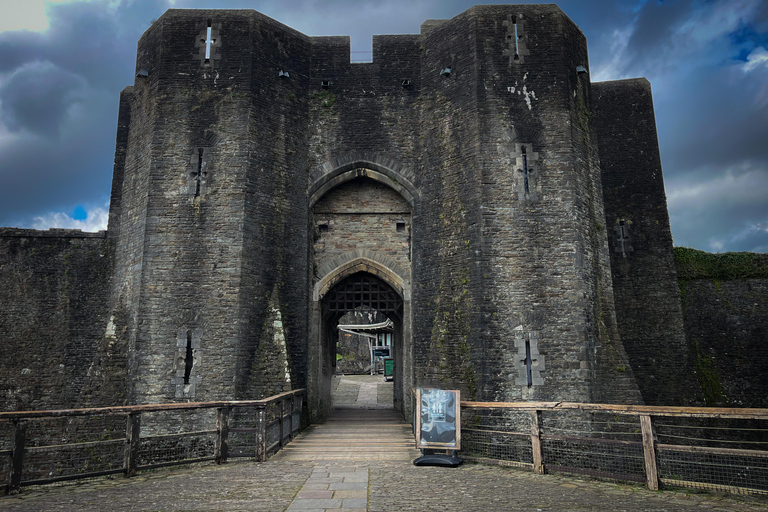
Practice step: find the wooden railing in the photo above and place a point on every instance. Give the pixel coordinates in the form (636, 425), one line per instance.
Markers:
(712, 448)
(38, 446)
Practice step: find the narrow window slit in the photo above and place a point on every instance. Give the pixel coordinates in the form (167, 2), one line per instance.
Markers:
(189, 359)
(199, 178)
(517, 39)
(525, 170)
(208, 41)
(623, 237)
(528, 363)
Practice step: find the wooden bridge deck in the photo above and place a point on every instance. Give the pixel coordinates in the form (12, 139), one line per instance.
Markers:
(354, 434)
(362, 427)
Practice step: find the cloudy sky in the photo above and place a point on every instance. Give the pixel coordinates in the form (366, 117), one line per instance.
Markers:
(64, 62)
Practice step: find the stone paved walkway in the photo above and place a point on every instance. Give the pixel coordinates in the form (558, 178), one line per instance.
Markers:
(362, 391)
(374, 485)
(392, 486)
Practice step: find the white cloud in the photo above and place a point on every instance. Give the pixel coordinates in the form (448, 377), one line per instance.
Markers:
(756, 68)
(23, 15)
(30, 14)
(716, 245)
(95, 221)
(758, 58)
(745, 183)
(722, 212)
(713, 21)
(610, 69)
(751, 231)
(697, 39)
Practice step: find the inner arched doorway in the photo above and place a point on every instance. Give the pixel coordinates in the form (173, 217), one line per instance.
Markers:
(358, 286)
(361, 260)
(363, 291)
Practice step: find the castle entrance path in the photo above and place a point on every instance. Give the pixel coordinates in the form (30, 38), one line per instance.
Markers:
(279, 485)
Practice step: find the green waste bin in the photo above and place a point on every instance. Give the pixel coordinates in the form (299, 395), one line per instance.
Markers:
(389, 368)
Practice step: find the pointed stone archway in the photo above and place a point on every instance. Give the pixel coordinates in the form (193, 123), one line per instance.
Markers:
(360, 284)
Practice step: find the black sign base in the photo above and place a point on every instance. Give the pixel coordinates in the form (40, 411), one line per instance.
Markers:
(438, 459)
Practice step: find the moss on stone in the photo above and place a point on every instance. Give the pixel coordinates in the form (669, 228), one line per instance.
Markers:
(696, 264)
(326, 98)
(709, 378)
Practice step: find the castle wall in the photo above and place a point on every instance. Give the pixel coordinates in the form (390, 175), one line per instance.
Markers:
(365, 215)
(447, 341)
(275, 215)
(59, 349)
(361, 115)
(725, 299)
(726, 324)
(643, 270)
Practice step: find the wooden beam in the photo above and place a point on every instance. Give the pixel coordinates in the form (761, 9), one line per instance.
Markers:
(290, 419)
(636, 410)
(127, 409)
(222, 439)
(737, 452)
(713, 487)
(261, 435)
(18, 438)
(538, 459)
(132, 442)
(649, 450)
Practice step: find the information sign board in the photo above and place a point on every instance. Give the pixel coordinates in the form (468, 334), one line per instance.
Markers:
(438, 422)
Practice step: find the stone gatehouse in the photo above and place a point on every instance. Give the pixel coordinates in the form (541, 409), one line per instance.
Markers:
(470, 183)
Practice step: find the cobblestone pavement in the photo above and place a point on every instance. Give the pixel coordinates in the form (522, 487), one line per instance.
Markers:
(373, 485)
(392, 486)
(347, 389)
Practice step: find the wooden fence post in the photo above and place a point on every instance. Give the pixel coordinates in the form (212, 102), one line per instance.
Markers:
(132, 442)
(281, 423)
(261, 435)
(290, 419)
(538, 460)
(303, 418)
(222, 440)
(649, 450)
(19, 435)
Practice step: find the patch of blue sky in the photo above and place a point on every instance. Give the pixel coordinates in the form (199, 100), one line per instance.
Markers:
(79, 213)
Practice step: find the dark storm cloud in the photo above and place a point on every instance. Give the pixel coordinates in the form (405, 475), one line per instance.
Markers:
(722, 212)
(38, 96)
(19, 47)
(712, 114)
(58, 99)
(718, 121)
(654, 33)
(43, 174)
(87, 39)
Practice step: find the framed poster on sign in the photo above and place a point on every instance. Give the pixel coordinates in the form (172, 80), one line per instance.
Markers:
(438, 424)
